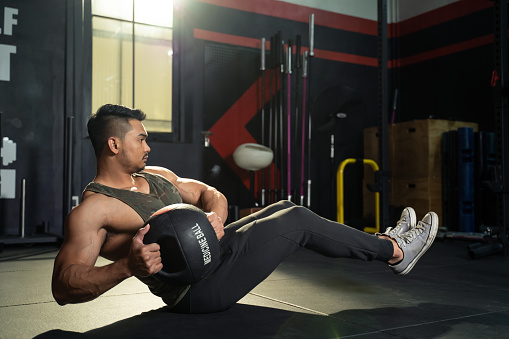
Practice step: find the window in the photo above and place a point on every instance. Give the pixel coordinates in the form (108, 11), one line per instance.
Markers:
(132, 58)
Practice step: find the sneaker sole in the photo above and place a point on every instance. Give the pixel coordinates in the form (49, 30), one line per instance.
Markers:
(429, 241)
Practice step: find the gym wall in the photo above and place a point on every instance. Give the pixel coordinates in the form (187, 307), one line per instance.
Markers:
(444, 62)
(32, 106)
(343, 70)
(441, 63)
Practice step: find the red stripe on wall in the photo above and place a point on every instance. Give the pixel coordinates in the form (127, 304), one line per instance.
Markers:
(350, 58)
(299, 13)
(255, 43)
(443, 51)
(437, 16)
(228, 38)
(343, 57)
(230, 130)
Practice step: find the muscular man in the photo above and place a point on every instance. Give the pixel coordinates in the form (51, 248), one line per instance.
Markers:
(125, 193)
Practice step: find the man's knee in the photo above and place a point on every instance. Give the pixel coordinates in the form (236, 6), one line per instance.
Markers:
(296, 214)
(285, 204)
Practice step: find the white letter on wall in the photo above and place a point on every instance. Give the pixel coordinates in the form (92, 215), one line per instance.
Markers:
(5, 61)
(9, 20)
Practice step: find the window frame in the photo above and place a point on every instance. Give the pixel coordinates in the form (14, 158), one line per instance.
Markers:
(175, 136)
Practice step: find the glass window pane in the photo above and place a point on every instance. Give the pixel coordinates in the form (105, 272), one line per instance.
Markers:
(154, 12)
(112, 62)
(153, 76)
(118, 9)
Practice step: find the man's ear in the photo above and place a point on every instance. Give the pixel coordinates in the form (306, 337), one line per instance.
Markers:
(113, 145)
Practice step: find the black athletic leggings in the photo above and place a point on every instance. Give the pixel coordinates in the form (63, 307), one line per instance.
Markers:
(254, 246)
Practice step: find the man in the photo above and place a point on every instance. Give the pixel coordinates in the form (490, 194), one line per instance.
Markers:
(125, 193)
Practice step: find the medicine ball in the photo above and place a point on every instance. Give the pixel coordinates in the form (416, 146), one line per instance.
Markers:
(189, 245)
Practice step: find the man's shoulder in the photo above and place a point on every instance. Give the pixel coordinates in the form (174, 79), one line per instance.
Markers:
(101, 210)
(88, 212)
(93, 203)
(156, 170)
(162, 172)
(97, 201)
(92, 197)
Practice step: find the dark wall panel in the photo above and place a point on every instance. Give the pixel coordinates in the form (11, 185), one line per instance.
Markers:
(33, 111)
(453, 80)
(455, 87)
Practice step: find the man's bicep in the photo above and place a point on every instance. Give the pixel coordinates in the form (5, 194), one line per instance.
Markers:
(191, 190)
(83, 239)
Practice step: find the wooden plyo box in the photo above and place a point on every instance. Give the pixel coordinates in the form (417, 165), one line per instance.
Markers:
(371, 143)
(417, 147)
(422, 194)
(415, 160)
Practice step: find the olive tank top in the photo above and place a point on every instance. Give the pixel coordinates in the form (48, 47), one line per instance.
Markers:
(162, 193)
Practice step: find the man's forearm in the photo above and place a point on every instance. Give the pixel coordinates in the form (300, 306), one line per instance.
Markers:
(80, 283)
(214, 201)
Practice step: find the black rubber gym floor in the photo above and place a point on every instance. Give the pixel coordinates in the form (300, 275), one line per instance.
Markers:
(447, 295)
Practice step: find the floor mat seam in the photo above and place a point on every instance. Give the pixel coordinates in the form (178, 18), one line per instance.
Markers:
(289, 304)
(385, 330)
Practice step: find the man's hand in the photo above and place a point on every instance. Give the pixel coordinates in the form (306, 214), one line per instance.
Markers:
(216, 223)
(144, 260)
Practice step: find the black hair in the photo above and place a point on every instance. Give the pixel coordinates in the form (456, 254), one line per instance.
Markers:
(111, 120)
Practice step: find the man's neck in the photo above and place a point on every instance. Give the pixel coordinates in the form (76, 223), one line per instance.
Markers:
(114, 177)
(116, 181)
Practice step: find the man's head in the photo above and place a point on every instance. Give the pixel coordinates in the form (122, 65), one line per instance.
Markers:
(111, 121)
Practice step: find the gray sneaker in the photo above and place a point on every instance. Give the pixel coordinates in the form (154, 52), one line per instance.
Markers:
(415, 242)
(405, 223)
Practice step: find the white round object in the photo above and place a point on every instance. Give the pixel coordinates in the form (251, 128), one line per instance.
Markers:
(252, 157)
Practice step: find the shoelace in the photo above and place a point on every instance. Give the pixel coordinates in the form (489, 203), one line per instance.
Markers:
(398, 226)
(412, 234)
(393, 231)
(402, 220)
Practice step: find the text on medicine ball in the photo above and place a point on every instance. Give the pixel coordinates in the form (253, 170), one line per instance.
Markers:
(202, 240)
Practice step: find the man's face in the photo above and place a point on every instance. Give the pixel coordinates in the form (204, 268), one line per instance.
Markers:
(134, 153)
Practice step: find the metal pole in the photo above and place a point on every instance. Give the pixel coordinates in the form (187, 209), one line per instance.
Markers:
(22, 209)
(383, 107)
(262, 68)
(281, 116)
(1, 145)
(277, 87)
(303, 134)
(296, 166)
(501, 119)
(68, 166)
(289, 120)
(271, 101)
(311, 55)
